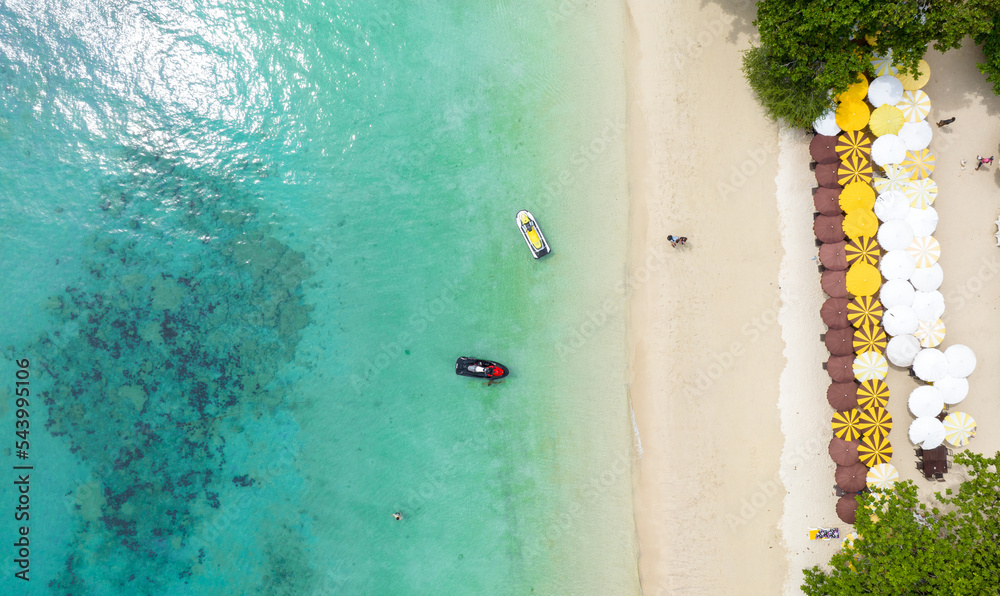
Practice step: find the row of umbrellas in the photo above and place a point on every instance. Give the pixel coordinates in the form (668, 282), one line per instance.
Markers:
(929, 432)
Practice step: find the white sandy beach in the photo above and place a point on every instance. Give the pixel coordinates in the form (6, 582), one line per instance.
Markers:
(727, 382)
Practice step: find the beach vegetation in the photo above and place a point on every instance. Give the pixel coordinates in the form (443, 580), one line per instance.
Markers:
(905, 546)
(810, 51)
(990, 42)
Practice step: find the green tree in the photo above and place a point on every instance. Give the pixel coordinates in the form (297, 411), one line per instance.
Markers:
(811, 50)
(909, 548)
(991, 49)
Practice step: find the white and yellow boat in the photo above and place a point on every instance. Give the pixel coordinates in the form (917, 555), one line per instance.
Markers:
(532, 234)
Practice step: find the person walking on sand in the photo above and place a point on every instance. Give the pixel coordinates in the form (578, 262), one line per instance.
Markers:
(983, 161)
(945, 122)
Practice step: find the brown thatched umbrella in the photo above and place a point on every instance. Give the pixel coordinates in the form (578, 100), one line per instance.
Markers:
(834, 313)
(843, 453)
(826, 175)
(841, 368)
(829, 228)
(827, 200)
(834, 283)
(842, 396)
(852, 478)
(847, 508)
(823, 149)
(833, 255)
(840, 342)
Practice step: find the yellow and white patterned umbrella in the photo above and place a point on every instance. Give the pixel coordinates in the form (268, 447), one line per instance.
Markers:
(883, 65)
(921, 192)
(896, 178)
(925, 250)
(915, 105)
(882, 476)
(959, 428)
(918, 164)
(870, 365)
(930, 334)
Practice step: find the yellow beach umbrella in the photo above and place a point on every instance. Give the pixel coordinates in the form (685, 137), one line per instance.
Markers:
(860, 223)
(874, 450)
(882, 476)
(915, 105)
(852, 115)
(926, 251)
(857, 91)
(870, 365)
(863, 279)
(918, 164)
(854, 169)
(873, 393)
(883, 65)
(853, 143)
(875, 422)
(863, 250)
(864, 310)
(896, 178)
(869, 338)
(886, 120)
(857, 195)
(913, 82)
(921, 192)
(930, 334)
(845, 425)
(959, 428)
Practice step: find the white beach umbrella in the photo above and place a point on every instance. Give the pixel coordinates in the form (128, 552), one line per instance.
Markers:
(959, 428)
(926, 251)
(885, 89)
(915, 105)
(895, 234)
(953, 389)
(961, 360)
(901, 349)
(927, 279)
(897, 264)
(892, 205)
(915, 135)
(930, 364)
(925, 400)
(882, 476)
(896, 292)
(827, 123)
(923, 221)
(884, 64)
(888, 149)
(899, 320)
(921, 192)
(869, 366)
(930, 333)
(927, 432)
(929, 306)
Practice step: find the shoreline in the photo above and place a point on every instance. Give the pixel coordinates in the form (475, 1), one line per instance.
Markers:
(705, 351)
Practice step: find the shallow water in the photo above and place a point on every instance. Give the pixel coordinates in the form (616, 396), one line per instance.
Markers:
(243, 245)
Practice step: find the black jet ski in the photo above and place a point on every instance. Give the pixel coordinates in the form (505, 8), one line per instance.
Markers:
(481, 369)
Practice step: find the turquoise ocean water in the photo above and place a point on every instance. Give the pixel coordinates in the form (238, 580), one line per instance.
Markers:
(241, 245)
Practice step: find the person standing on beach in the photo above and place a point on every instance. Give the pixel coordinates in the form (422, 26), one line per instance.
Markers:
(984, 161)
(675, 240)
(945, 122)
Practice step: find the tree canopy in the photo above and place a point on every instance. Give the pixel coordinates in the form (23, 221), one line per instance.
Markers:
(810, 50)
(906, 547)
